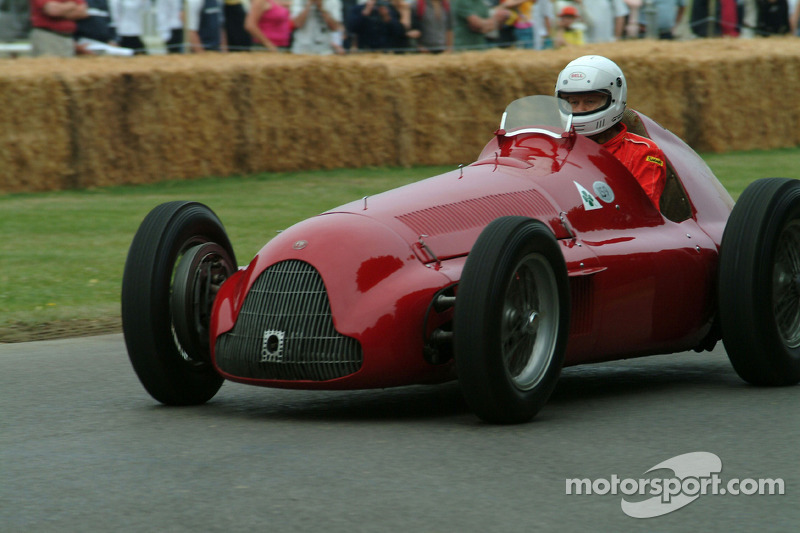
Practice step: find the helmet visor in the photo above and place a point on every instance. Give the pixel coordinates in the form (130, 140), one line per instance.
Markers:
(585, 103)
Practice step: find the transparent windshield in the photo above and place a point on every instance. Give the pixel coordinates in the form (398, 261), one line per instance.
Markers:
(537, 114)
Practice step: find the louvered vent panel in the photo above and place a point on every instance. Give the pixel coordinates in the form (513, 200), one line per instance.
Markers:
(476, 212)
(581, 291)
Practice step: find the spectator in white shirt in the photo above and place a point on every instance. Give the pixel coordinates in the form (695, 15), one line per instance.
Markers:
(128, 16)
(316, 23)
(169, 17)
(604, 19)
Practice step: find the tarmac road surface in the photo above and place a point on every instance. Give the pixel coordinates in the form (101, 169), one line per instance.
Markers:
(84, 448)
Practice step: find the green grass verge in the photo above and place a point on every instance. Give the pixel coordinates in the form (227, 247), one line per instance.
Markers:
(62, 253)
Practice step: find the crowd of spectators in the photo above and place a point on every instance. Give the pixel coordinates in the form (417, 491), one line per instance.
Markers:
(398, 26)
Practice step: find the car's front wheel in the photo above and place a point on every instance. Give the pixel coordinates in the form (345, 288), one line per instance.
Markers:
(511, 320)
(178, 259)
(759, 283)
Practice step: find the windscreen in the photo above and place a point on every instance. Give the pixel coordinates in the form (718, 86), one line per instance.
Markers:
(539, 113)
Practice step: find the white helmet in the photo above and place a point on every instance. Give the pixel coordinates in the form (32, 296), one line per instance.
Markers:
(595, 73)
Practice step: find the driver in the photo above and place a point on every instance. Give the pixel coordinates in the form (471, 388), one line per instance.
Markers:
(595, 87)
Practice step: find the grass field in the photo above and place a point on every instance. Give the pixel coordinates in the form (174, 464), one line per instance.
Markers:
(62, 253)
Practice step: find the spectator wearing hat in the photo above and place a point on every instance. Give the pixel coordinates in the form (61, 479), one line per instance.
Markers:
(568, 33)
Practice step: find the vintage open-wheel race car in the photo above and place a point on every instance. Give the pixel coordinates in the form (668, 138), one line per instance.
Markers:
(543, 253)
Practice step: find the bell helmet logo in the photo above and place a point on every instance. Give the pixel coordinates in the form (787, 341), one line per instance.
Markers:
(577, 76)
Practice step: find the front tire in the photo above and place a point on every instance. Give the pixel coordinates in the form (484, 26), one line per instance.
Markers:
(759, 283)
(511, 320)
(178, 258)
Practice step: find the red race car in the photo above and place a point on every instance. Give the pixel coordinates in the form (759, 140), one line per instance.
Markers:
(543, 253)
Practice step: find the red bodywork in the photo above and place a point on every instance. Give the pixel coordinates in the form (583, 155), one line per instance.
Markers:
(640, 284)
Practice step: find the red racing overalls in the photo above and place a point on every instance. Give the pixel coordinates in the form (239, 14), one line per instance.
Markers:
(643, 158)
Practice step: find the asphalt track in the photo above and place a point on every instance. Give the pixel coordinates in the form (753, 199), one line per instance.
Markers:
(83, 448)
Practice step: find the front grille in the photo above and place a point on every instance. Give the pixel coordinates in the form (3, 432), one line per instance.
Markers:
(285, 330)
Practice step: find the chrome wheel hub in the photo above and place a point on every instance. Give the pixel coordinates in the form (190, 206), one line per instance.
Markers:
(532, 323)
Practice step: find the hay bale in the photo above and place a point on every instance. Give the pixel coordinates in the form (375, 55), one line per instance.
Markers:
(320, 112)
(101, 121)
(35, 143)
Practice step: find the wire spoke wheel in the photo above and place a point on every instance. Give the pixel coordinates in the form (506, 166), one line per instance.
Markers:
(511, 320)
(759, 283)
(530, 321)
(786, 285)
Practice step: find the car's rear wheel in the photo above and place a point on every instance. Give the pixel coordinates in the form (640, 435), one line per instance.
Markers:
(759, 283)
(178, 259)
(511, 320)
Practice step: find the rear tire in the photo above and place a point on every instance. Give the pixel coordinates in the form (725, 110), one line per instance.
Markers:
(175, 370)
(759, 283)
(511, 320)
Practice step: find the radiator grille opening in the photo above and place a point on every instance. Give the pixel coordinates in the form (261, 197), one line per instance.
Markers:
(285, 330)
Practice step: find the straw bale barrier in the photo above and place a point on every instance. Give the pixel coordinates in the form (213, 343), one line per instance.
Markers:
(103, 121)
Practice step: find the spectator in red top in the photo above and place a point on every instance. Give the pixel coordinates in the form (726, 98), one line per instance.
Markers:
(596, 89)
(54, 26)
